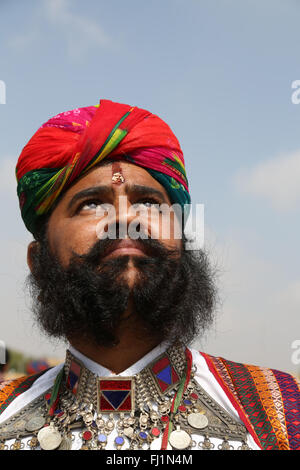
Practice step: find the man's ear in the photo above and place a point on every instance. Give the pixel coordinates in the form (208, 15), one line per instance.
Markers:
(31, 251)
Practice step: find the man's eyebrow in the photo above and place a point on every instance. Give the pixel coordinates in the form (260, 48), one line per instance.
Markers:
(142, 190)
(93, 191)
(96, 191)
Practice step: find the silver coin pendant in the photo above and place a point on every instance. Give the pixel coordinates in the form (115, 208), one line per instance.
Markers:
(180, 439)
(197, 420)
(49, 438)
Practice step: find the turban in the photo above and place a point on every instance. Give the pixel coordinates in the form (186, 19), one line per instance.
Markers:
(73, 142)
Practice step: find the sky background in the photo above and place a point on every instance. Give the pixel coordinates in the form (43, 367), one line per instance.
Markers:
(220, 73)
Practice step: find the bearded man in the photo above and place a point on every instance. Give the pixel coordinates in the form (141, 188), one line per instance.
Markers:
(128, 306)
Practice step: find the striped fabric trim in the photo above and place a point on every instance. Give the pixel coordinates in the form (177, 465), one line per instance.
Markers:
(276, 396)
(289, 387)
(251, 402)
(270, 401)
(10, 390)
(218, 369)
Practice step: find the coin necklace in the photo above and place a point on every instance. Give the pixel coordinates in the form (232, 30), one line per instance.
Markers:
(132, 427)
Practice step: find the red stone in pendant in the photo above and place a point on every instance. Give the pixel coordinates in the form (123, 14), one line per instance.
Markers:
(194, 396)
(155, 432)
(87, 435)
(182, 408)
(47, 396)
(164, 419)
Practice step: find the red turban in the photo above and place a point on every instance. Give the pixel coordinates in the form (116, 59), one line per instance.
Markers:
(71, 143)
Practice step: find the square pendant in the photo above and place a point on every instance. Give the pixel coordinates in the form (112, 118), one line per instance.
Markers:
(164, 374)
(73, 377)
(115, 394)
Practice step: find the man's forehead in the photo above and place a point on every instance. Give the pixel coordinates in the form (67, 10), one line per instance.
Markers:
(134, 177)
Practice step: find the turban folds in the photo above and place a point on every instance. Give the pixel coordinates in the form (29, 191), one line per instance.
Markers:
(71, 143)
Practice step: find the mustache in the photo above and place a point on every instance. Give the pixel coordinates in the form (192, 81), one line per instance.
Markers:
(153, 248)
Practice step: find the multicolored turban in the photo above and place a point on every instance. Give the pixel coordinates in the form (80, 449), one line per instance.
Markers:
(71, 143)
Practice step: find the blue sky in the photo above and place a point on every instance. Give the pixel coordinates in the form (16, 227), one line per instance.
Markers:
(220, 73)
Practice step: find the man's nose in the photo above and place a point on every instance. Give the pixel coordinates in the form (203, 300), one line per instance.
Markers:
(123, 221)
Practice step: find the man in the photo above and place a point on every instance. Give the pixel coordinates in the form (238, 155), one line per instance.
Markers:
(128, 306)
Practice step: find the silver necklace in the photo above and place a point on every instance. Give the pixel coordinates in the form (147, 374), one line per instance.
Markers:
(139, 409)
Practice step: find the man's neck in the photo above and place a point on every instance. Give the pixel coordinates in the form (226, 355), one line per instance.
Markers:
(133, 345)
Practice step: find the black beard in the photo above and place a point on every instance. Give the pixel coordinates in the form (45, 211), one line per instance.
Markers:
(173, 298)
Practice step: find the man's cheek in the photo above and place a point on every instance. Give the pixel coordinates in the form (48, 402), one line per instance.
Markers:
(79, 238)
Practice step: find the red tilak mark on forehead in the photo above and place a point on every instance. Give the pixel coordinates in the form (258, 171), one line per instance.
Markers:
(116, 173)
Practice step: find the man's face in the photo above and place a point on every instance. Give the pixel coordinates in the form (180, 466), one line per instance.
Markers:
(78, 222)
(83, 284)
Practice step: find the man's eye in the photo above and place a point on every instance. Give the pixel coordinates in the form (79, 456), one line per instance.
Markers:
(89, 205)
(146, 202)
